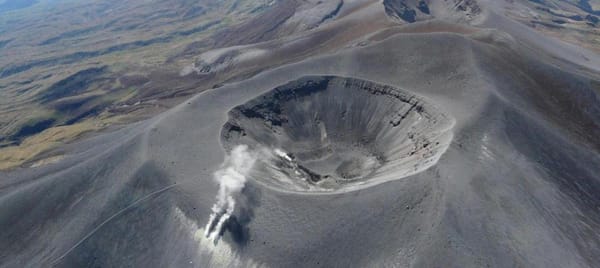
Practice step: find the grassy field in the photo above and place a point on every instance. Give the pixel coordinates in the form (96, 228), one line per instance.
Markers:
(73, 67)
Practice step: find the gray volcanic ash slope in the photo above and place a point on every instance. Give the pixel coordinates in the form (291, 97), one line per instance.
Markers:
(513, 182)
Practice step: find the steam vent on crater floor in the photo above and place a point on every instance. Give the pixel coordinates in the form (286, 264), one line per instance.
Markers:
(337, 133)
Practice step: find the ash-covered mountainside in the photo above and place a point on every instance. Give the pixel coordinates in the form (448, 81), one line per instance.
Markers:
(333, 133)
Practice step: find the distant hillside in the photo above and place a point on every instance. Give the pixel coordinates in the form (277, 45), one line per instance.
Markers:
(15, 4)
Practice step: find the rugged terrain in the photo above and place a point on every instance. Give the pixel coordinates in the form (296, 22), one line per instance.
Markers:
(393, 133)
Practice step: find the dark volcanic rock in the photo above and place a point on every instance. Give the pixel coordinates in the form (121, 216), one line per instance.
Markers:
(399, 9)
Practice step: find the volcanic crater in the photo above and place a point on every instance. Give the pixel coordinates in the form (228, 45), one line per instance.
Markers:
(333, 134)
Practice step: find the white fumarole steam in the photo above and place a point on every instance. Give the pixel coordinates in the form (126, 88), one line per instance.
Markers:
(231, 178)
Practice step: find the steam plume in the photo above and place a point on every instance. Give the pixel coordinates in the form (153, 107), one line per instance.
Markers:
(231, 178)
